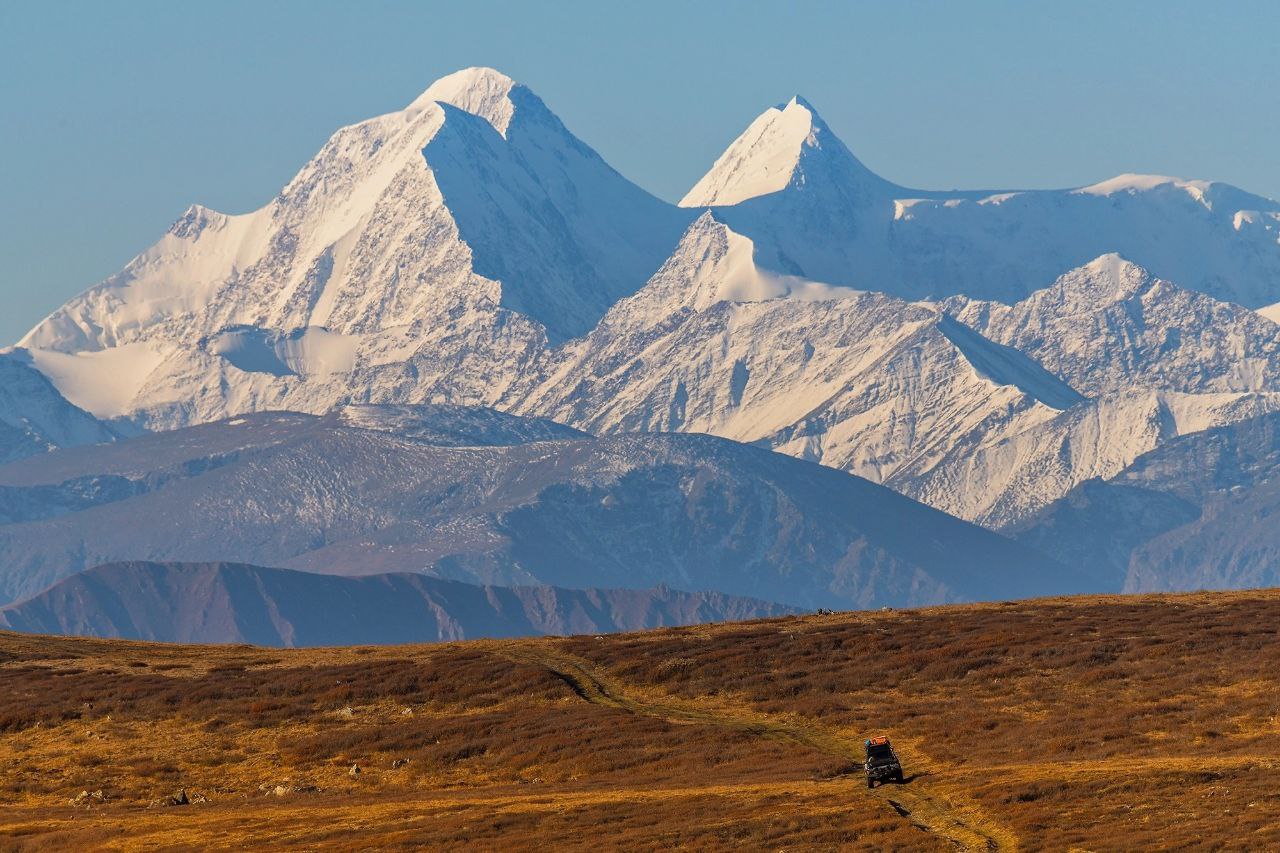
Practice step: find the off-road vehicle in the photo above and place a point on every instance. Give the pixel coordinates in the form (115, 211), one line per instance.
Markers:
(882, 762)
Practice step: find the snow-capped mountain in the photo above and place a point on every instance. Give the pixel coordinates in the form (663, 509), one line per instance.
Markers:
(1195, 513)
(343, 494)
(474, 196)
(35, 418)
(470, 250)
(814, 210)
(1004, 475)
(900, 393)
(1111, 326)
(470, 225)
(860, 381)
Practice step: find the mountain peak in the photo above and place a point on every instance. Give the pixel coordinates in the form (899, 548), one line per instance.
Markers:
(798, 100)
(784, 145)
(1113, 264)
(1106, 280)
(760, 161)
(1114, 271)
(480, 91)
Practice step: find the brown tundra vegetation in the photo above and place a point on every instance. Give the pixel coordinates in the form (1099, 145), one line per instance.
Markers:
(1100, 723)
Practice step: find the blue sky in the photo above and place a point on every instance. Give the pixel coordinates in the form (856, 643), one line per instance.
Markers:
(116, 116)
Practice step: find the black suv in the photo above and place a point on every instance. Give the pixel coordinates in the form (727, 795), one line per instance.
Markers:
(882, 762)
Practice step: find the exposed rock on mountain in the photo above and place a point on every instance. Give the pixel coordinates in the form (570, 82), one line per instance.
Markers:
(859, 381)
(1006, 476)
(1110, 326)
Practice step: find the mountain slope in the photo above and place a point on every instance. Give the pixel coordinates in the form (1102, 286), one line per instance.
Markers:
(471, 224)
(1194, 513)
(230, 603)
(859, 381)
(814, 210)
(900, 393)
(1111, 326)
(35, 418)
(495, 192)
(1004, 475)
(624, 511)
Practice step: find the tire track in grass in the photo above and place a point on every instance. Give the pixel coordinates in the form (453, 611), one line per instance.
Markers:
(962, 822)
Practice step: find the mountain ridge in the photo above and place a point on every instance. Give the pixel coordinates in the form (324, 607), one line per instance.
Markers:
(851, 227)
(237, 603)
(960, 347)
(323, 494)
(1192, 513)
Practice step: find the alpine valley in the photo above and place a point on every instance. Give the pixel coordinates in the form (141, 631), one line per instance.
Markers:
(458, 344)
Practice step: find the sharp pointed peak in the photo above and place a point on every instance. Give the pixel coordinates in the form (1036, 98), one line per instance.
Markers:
(760, 161)
(479, 90)
(798, 101)
(707, 219)
(787, 145)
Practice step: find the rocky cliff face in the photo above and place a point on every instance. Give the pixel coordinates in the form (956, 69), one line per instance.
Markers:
(1111, 326)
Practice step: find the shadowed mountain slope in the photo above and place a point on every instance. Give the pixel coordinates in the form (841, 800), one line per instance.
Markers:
(323, 494)
(1195, 513)
(232, 603)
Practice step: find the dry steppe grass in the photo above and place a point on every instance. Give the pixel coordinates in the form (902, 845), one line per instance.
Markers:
(1100, 723)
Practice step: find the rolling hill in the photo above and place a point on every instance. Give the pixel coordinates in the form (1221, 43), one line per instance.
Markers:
(1143, 722)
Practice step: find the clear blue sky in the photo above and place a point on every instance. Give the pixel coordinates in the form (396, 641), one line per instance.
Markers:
(116, 116)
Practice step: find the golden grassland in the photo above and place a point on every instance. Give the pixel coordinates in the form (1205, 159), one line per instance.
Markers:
(1099, 723)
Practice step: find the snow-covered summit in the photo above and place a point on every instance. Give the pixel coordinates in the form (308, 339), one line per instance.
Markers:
(484, 92)
(772, 154)
(473, 200)
(813, 210)
(1111, 326)
(1131, 183)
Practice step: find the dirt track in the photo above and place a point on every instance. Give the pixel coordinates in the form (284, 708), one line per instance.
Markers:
(922, 801)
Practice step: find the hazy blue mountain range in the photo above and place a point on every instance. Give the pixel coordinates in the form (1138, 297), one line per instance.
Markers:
(325, 494)
(233, 603)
